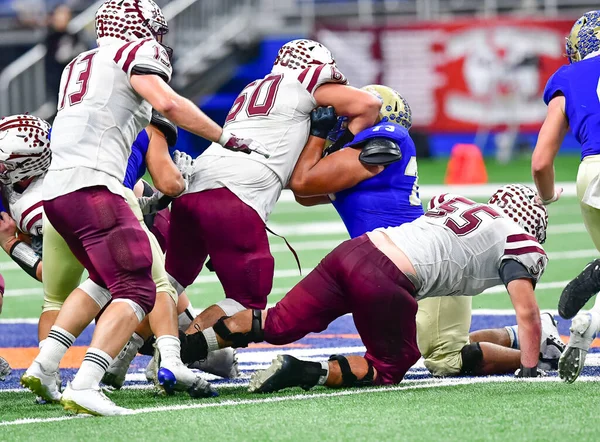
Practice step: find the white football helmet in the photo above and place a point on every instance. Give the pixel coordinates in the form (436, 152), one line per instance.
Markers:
(128, 20)
(24, 148)
(520, 204)
(300, 54)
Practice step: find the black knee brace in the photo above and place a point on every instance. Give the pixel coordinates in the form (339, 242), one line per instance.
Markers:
(472, 358)
(241, 339)
(148, 347)
(193, 347)
(349, 379)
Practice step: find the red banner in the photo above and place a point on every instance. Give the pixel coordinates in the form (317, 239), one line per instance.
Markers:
(461, 75)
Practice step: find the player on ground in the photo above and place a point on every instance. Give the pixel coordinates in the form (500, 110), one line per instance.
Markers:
(106, 99)
(459, 247)
(231, 194)
(572, 96)
(390, 199)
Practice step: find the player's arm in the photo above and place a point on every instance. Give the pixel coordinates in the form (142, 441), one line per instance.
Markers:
(166, 177)
(550, 138)
(20, 251)
(520, 285)
(312, 200)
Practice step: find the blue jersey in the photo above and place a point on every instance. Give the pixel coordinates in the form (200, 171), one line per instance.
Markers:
(136, 166)
(579, 83)
(388, 199)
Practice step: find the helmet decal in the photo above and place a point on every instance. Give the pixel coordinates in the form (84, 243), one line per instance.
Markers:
(300, 54)
(584, 37)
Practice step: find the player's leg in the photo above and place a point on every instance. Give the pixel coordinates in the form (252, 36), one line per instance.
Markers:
(442, 331)
(587, 283)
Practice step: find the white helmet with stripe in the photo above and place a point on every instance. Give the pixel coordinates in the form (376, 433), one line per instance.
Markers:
(520, 204)
(24, 148)
(300, 54)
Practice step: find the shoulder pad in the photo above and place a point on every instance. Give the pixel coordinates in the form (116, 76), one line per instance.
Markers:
(168, 129)
(380, 152)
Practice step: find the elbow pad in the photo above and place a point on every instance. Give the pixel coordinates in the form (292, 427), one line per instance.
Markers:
(380, 152)
(168, 129)
(25, 257)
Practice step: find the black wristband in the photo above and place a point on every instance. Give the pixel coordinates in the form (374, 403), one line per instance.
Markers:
(529, 372)
(25, 257)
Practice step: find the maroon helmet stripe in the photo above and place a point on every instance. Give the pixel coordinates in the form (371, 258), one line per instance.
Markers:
(122, 50)
(132, 53)
(302, 76)
(32, 221)
(520, 237)
(525, 250)
(315, 78)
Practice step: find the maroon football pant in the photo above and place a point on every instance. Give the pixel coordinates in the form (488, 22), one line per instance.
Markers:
(218, 224)
(106, 237)
(354, 278)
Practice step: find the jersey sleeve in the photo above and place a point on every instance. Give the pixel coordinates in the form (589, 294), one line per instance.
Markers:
(144, 57)
(556, 84)
(524, 249)
(443, 198)
(314, 76)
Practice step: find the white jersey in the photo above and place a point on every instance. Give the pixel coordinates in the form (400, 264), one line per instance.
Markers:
(458, 246)
(275, 113)
(26, 207)
(100, 115)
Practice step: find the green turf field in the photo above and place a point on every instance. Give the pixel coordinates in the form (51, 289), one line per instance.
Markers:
(417, 410)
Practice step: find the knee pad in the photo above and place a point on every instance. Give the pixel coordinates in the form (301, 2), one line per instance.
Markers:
(230, 306)
(139, 311)
(178, 287)
(98, 293)
(472, 357)
(349, 379)
(238, 340)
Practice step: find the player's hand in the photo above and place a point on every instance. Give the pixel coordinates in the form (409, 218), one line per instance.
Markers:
(155, 203)
(8, 231)
(557, 193)
(322, 121)
(238, 144)
(184, 163)
(533, 372)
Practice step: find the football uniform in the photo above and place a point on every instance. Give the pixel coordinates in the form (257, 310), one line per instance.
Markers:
(26, 207)
(231, 194)
(578, 82)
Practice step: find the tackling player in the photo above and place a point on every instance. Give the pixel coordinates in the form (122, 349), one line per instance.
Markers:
(388, 197)
(106, 99)
(231, 194)
(458, 247)
(573, 98)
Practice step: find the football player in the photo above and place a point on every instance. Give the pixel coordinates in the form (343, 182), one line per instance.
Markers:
(231, 194)
(368, 196)
(106, 99)
(572, 96)
(458, 247)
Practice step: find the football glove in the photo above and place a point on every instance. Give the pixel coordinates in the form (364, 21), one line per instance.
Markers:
(155, 203)
(322, 120)
(238, 144)
(184, 163)
(533, 372)
(4, 369)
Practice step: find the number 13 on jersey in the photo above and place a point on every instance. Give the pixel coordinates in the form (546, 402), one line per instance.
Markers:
(76, 83)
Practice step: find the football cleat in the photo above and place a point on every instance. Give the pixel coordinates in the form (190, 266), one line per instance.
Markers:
(583, 331)
(42, 384)
(174, 376)
(551, 346)
(90, 401)
(285, 371)
(151, 371)
(115, 375)
(221, 363)
(579, 291)
(4, 369)
(40, 400)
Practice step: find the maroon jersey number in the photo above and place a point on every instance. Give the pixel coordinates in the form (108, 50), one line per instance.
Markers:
(76, 90)
(261, 102)
(471, 217)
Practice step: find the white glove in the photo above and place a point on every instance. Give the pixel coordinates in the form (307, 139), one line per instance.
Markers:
(237, 144)
(155, 203)
(184, 163)
(534, 372)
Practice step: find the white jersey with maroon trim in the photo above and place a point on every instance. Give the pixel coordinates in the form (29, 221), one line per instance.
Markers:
(274, 112)
(100, 114)
(26, 207)
(458, 246)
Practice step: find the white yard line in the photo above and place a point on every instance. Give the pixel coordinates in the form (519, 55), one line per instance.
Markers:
(413, 385)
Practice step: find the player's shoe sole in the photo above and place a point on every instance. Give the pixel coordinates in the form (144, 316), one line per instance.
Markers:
(75, 408)
(35, 385)
(285, 371)
(583, 331)
(579, 291)
(571, 363)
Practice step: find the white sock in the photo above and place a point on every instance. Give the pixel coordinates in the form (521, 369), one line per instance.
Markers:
(211, 339)
(41, 343)
(94, 365)
(596, 307)
(513, 335)
(185, 318)
(323, 379)
(55, 346)
(169, 348)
